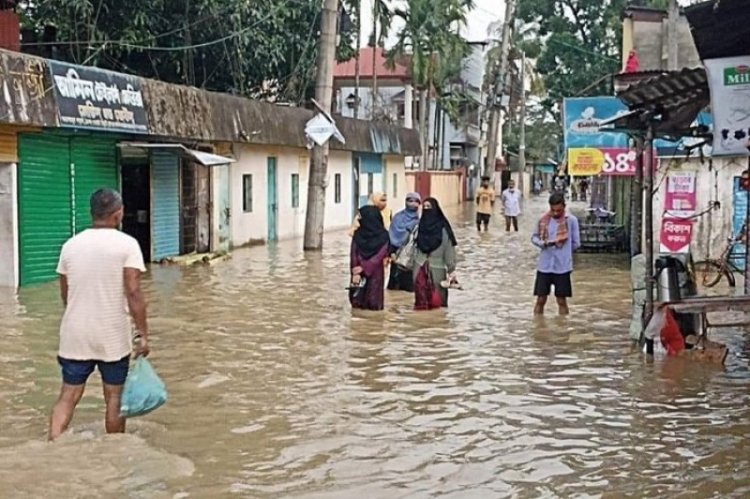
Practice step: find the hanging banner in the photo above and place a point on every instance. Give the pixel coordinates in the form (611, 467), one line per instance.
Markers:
(585, 162)
(88, 97)
(680, 198)
(740, 202)
(582, 117)
(729, 83)
(676, 235)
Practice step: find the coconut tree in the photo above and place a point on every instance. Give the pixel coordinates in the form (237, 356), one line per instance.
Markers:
(429, 38)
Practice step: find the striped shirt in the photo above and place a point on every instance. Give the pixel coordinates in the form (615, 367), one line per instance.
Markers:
(96, 322)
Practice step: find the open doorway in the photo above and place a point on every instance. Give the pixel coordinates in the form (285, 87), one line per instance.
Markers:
(136, 196)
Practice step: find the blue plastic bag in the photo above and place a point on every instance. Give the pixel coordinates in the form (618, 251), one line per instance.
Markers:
(144, 390)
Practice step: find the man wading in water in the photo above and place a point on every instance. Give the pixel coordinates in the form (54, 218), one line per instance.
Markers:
(558, 236)
(100, 279)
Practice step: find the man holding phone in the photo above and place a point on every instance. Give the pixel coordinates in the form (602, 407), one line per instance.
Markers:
(558, 235)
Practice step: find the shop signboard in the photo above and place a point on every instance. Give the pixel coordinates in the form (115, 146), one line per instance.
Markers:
(94, 98)
(680, 198)
(729, 84)
(590, 150)
(676, 235)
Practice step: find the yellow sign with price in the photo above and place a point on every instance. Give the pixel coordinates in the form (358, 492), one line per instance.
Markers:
(585, 162)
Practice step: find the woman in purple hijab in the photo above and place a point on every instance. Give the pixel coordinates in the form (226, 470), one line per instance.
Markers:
(369, 252)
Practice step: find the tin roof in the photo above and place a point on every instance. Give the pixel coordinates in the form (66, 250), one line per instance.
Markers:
(720, 28)
(673, 99)
(345, 70)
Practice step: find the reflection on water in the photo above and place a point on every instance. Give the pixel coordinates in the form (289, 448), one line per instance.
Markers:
(279, 390)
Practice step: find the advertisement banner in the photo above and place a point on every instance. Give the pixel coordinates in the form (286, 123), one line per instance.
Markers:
(729, 83)
(680, 199)
(606, 161)
(94, 98)
(582, 117)
(676, 235)
(740, 203)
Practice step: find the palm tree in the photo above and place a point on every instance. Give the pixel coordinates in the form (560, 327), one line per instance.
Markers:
(430, 38)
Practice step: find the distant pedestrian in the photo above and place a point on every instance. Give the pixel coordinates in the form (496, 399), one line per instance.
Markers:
(435, 262)
(537, 186)
(404, 222)
(368, 256)
(583, 188)
(100, 275)
(511, 206)
(485, 203)
(558, 236)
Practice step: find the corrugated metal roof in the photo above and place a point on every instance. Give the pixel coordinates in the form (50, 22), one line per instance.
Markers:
(669, 101)
(668, 91)
(720, 28)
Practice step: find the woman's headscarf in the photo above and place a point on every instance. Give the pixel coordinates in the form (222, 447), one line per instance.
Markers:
(386, 212)
(404, 222)
(431, 225)
(371, 235)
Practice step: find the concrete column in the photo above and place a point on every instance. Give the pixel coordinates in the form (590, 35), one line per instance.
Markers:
(8, 226)
(408, 106)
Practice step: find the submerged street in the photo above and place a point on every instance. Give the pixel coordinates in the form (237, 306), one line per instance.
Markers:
(278, 390)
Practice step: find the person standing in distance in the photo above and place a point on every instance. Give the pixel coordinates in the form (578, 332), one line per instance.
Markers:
(511, 206)
(485, 203)
(558, 236)
(100, 285)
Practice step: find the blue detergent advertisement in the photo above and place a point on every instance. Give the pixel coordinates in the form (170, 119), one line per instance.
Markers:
(584, 115)
(740, 212)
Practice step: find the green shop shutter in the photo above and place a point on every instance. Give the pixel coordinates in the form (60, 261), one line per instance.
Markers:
(94, 166)
(45, 214)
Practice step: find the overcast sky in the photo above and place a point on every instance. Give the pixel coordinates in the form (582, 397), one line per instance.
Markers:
(484, 13)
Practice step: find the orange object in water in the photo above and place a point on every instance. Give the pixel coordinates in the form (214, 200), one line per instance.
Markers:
(671, 336)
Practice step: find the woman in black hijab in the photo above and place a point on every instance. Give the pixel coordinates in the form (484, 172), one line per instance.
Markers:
(368, 255)
(435, 261)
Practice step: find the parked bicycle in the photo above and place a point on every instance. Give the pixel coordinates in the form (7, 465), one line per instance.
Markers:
(710, 272)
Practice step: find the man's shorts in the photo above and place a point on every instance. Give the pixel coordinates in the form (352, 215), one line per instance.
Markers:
(76, 372)
(545, 281)
(483, 218)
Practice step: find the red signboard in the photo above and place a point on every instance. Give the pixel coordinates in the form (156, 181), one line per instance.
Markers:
(676, 235)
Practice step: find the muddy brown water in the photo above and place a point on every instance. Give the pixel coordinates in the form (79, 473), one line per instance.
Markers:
(279, 390)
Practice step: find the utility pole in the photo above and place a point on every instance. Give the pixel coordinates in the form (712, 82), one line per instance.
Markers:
(499, 87)
(522, 137)
(316, 189)
(356, 59)
(673, 16)
(374, 96)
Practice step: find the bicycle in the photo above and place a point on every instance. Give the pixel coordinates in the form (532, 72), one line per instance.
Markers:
(710, 272)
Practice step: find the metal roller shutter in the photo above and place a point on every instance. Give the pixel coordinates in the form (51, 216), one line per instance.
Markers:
(95, 166)
(165, 205)
(45, 213)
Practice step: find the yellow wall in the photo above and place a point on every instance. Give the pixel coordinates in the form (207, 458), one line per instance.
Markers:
(446, 188)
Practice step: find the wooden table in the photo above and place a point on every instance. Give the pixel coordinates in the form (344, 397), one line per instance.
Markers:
(705, 305)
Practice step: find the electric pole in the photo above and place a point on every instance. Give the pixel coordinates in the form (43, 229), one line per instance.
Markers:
(522, 135)
(374, 96)
(316, 189)
(358, 44)
(501, 70)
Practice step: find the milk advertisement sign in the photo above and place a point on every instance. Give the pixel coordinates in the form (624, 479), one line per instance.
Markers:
(729, 83)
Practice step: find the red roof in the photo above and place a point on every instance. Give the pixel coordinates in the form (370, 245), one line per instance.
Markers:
(346, 69)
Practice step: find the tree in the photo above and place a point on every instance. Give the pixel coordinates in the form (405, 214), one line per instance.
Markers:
(581, 45)
(429, 38)
(263, 48)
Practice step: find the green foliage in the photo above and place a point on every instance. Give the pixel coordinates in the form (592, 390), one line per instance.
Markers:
(581, 44)
(267, 47)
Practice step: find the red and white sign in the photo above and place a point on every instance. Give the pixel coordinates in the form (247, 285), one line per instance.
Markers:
(618, 162)
(676, 235)
(680, 200)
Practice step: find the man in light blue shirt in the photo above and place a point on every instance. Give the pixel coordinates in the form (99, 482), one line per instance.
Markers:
(558, 236)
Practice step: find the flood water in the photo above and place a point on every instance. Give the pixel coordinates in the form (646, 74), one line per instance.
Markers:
(279, 390)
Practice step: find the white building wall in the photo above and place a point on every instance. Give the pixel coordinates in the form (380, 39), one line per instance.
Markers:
(710, 231)
(395, 182)
(252, 227)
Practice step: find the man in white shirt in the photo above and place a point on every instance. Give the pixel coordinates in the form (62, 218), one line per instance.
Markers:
(511, 206)
(100, 275)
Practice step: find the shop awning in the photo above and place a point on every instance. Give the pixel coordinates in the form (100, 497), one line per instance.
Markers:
(203, 158)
